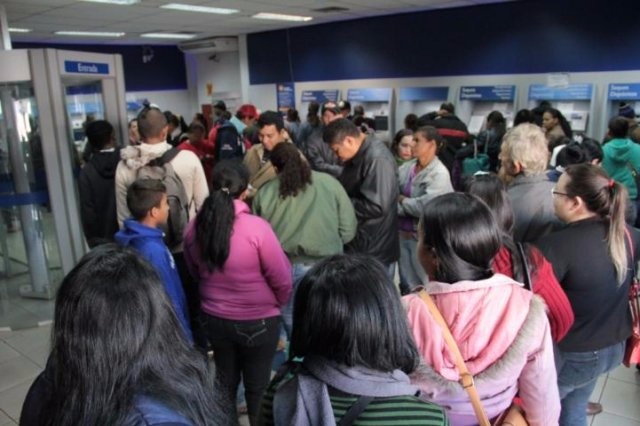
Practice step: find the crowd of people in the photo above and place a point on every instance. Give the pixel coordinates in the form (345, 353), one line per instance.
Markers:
(217, 244)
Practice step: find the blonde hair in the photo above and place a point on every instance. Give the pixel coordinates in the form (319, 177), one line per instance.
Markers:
(527, 145)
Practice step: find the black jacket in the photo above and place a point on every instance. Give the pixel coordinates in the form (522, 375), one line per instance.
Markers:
(453, 130)
(370, 178)
(96, 186)
(320, 156)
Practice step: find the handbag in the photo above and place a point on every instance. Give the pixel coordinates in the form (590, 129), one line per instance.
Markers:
(632, 350)
(512, 416)
(479, 162)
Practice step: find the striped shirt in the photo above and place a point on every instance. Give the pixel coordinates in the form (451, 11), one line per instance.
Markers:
(393, 411)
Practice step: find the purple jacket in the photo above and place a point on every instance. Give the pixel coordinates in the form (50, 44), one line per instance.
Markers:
(256, 280)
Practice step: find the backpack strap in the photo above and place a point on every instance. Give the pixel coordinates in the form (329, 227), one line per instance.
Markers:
(165, 158)
(355, 410)
(528, 284)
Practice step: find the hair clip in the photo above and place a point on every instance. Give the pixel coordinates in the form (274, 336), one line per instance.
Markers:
(611, 183)
(225, 190)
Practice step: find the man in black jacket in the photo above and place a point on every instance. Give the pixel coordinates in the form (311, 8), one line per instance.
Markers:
(451, 128)
(320, 156)
(370, 178)
(96, 185)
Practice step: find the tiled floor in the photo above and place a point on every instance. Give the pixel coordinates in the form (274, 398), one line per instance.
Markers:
(23, 354)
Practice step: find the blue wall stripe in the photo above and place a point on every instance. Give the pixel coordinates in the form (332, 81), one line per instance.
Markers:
(529, 36)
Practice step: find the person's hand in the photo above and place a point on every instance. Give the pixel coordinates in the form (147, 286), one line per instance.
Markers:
(401, 198)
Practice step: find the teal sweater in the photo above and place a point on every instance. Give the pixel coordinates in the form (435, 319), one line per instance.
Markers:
(618, 154)
(314, 224)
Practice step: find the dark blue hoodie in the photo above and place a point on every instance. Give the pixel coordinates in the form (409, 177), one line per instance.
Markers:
(148, 241)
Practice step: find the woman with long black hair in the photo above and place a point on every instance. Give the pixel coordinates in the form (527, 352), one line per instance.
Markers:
(119, 356)
(245, 280)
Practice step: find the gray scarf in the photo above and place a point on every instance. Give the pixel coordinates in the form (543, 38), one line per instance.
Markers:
(308, 389)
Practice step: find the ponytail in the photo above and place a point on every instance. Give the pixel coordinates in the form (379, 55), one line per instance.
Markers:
(617, 227)
(607, 199)
(214, 222)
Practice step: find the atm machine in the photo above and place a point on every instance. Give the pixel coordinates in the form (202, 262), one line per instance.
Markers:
(45, 97)
(574, 101)
(320, 96)
(378, 104)
(419, 101)
(476, 102)
(621, 93)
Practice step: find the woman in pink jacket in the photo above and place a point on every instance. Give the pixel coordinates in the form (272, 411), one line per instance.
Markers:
(245, 279)
(501, 328)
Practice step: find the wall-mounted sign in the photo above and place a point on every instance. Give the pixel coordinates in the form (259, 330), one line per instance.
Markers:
(424, 93)
(320, 96)
(369, 95)
(286, 96)
(573, 92)
(86, 67)
(500, 93)
(626, 92)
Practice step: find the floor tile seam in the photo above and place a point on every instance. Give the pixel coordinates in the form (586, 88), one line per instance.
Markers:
(623, 381)
(617, 415)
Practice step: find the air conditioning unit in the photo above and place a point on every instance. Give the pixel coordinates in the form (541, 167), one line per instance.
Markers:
(210, 45)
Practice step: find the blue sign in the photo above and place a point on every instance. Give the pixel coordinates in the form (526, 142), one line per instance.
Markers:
(86, 67)
(285, 96)
(320, 96)
(573, 92)
(500, 93)
(424, 93)
(626, 92)
(369, 95)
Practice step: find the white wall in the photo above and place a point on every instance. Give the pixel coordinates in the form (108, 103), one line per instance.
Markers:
(223, 72)
(176, 101)
(264, 95)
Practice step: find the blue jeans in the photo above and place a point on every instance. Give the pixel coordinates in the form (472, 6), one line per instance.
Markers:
(299, 270)
(577, 375)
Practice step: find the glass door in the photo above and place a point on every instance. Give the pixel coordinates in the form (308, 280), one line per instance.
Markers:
(29, 254)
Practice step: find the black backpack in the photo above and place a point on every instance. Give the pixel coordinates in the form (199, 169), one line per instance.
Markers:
(229, 143)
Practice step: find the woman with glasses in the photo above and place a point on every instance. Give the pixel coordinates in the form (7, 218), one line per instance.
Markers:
(593, 258)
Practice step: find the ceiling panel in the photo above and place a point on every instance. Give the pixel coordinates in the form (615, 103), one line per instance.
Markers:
(47, 16)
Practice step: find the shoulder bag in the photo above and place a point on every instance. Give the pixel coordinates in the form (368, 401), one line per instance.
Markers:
(513, 416)
(528, 284)
(632, 350)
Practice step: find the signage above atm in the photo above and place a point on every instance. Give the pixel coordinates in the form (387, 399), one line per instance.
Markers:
(572, 92)
(77, 67)
(499, 93)
(369, 95)
(626, 92)
(424, 93)
(320, 96)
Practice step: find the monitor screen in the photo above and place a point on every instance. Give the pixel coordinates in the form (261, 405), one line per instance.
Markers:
(382, 122)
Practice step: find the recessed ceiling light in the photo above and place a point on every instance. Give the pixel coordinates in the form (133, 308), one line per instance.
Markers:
(201, 9)
(89, 33)
(121, 2)
(280, 17)
(19, 30)
(174, 36)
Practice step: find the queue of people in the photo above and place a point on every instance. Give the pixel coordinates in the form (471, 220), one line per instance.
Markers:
(228, 248)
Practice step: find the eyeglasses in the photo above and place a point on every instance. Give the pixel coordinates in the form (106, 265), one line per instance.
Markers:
(554, 192)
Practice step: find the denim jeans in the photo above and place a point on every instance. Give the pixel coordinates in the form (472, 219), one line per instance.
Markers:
(410, 270)
(299, 270)
(577, 375)
(243, 348)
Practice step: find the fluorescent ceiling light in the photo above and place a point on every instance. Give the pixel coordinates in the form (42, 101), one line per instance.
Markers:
(280, 17)
(175, 36)
(201, 9)
(89, 33)
(19, 30)
(121, 2)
